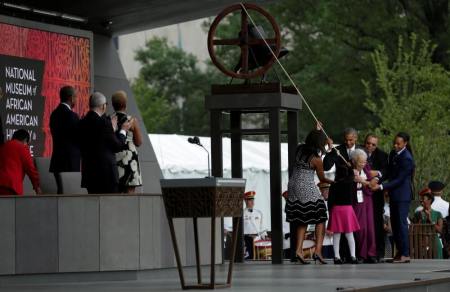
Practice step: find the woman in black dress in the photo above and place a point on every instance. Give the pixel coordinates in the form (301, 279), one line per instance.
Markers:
(305, 204)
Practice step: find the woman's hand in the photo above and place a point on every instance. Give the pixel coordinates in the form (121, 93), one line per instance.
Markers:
(132, 123)
(319, 126)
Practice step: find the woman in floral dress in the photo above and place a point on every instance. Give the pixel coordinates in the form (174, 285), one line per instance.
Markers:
(127, 160)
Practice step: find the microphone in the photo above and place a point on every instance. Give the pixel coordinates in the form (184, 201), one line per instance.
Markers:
(195, 140)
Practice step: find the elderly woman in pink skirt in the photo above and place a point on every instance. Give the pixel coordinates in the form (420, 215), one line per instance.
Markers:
(342, 216)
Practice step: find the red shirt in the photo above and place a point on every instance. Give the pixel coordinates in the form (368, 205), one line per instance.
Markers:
(15, 162)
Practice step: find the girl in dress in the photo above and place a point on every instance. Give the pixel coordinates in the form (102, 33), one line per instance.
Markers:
(342, 216)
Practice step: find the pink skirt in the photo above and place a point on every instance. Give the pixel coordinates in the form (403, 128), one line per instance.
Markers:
(343, 220)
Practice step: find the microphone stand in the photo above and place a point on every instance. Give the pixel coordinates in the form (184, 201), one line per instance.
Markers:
(209, 167)
(195, 140)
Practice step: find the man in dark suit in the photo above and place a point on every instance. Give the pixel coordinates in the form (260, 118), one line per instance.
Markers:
(98, 144)
(333, 158)
(63, 126)
(377, 160)
(399, 177)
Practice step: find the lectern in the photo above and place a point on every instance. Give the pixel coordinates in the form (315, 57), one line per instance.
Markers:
(199, 198)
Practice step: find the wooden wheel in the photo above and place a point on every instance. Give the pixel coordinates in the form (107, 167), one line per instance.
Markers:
(244, 41)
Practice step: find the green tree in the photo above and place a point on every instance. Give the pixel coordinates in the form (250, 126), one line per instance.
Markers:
(331, 42)
(413, 96)
(170, 89)
(330, 45)
(151, 106)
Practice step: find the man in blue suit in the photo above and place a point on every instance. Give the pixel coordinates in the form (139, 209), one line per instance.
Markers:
(398, 183)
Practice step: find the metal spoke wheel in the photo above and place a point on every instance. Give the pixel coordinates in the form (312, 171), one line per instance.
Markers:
(244, 41)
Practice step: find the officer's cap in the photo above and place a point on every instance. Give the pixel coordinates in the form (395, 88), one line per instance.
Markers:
(436, 186)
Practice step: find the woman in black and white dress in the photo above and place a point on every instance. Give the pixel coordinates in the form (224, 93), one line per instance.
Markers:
(305, 204)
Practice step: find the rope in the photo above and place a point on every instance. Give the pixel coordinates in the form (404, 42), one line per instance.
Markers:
(291, 80)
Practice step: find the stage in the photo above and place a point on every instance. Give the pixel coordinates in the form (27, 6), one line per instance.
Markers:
(419, 275)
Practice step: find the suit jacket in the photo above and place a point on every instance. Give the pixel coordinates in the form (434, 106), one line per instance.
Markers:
(399, 176)
(340, 192)
(378, 161)
(66, 152)
(15, 162)
(98, 145)
(332, 158)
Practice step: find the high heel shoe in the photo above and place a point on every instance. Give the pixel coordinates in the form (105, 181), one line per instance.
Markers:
(301, 260)
(316, 258)
(338, 261)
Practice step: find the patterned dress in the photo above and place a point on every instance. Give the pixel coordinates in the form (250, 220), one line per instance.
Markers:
(127, 160)
(305, 204)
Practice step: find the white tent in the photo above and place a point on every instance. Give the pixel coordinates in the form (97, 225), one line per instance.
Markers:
(180, 159)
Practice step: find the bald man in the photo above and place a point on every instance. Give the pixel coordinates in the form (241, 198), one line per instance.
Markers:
(98, 145)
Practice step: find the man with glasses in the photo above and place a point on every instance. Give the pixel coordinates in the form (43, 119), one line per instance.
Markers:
(377, 160)
(15, 162)
(98, 145)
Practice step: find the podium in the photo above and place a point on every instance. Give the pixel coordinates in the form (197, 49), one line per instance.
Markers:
(199, 198)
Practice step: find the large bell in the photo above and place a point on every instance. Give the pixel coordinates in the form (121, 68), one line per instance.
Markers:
(258, 55)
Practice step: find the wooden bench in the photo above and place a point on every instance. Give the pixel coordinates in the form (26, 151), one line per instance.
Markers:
(422, 241)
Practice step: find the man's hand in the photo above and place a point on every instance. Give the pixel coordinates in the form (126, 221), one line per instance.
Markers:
(373, 183)
(374, 187)
(38, 191)
(114, 122)
(374, 173)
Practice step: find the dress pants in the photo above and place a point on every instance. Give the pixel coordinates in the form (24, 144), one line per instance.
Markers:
(7, 191)
(399, 221)
(378, 210)
(248, 240)
(59, 187)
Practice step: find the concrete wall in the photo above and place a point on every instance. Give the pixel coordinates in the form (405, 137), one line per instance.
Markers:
(110, 77)
(50, 234)
(57, 234)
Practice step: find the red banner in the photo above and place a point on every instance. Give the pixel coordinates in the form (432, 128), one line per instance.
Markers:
(66, 62)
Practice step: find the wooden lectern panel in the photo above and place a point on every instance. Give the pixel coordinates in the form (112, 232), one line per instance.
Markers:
(189, 202)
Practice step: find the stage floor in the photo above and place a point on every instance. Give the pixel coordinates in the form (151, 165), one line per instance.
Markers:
(250, 276)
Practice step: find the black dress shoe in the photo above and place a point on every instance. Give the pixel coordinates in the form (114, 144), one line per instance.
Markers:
(370, 260)
(354, 261)
(338, 261)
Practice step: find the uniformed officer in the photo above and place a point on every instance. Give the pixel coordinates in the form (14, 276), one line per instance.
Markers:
(253, 223)
(439, 204)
